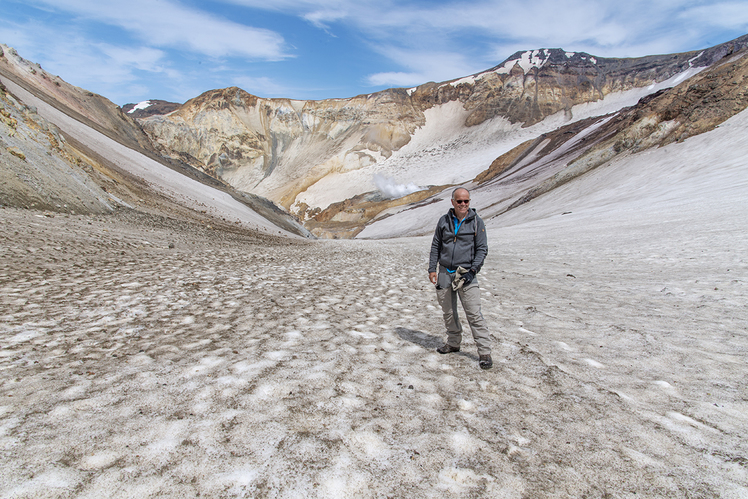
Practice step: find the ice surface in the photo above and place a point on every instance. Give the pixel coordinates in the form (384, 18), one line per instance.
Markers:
(220, 367)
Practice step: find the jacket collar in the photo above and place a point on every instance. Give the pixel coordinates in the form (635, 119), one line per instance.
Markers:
(470, 214)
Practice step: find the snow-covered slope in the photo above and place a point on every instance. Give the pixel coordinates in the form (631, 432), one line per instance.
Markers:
(701, 177)
(446, 151)
(668, 132)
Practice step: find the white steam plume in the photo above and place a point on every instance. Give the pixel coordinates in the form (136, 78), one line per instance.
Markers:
(392, 189)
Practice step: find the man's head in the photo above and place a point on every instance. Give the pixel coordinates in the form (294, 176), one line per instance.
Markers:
(461, 202)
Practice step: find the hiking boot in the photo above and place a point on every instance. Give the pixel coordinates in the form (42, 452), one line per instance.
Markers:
(485, 362)
(447, 349)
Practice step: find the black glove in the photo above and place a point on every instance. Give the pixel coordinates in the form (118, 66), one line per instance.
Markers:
(468, 276)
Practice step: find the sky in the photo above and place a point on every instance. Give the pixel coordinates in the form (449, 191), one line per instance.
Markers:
(134, 50)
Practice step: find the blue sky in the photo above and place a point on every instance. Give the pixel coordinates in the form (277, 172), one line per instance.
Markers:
(134, 50)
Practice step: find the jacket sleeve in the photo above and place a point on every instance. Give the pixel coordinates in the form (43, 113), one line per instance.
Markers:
(436, 247)
(481, 244)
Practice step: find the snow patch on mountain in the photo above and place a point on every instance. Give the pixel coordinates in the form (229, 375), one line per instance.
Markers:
(470, 80)
(140, 105)
(690, 61)
(528, 60)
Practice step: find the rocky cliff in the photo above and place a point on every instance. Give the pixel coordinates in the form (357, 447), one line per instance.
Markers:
(278, 147)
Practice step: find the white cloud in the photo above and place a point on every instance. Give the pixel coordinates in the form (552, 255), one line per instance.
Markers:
(486, 32)
(322, 18)
(100, 67)
(168, 24)
(142, 58)
(396, 79)
(730, 15)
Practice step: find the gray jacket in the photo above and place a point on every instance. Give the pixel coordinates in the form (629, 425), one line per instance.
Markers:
(467, 249)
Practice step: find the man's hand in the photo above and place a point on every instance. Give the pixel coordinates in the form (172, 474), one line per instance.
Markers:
(468, 276)
(432, 277)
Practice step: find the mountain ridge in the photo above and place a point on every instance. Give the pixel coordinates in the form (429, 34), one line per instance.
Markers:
(318, 159)
(149, 108)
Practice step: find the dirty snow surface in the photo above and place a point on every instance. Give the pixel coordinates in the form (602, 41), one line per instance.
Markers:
(224, 367)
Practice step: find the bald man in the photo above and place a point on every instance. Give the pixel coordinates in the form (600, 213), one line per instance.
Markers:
(459, 248)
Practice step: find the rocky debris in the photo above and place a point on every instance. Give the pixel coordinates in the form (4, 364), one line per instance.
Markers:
(693, 107)
(40, 170)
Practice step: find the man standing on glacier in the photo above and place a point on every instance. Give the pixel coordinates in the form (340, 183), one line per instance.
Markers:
(459, 248)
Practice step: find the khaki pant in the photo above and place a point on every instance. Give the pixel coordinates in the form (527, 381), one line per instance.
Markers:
(470, 299)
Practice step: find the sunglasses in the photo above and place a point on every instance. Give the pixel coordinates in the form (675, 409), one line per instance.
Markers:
(462, 201)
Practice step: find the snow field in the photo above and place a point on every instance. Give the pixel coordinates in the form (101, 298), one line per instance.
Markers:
(227, 368)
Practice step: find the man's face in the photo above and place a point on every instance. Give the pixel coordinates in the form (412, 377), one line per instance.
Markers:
(461, 203)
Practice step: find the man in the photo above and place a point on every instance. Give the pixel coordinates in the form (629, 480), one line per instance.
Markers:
(459, 247)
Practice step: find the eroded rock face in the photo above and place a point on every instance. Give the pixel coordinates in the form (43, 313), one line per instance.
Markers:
(40, 170)
(278, 147)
